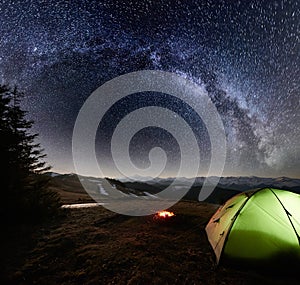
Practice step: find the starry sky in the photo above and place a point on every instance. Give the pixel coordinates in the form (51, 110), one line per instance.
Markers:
(245, 54)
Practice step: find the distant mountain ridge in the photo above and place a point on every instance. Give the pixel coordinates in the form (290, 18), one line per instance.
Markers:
(146, 187)
(240, 183)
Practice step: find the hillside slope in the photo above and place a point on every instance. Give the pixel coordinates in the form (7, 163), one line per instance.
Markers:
(95, 246)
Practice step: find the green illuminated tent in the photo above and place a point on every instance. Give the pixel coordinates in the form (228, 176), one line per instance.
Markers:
(257, 226)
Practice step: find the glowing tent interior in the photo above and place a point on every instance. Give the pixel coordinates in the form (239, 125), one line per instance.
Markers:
(257, 227)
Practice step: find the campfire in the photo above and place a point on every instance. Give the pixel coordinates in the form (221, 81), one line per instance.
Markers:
(162, 215)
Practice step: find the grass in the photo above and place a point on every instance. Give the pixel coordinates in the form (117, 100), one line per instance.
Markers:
(96, 246)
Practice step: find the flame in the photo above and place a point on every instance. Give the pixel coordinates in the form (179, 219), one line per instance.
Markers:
(165, 214)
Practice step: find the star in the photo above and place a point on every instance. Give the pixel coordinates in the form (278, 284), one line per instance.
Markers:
(245, 54)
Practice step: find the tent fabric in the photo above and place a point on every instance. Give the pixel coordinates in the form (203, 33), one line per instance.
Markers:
(256, 225)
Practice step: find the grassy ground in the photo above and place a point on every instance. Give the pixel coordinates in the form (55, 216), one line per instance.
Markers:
(95, 246)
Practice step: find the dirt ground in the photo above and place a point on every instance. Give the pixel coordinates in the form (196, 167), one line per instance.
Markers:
(96, 246)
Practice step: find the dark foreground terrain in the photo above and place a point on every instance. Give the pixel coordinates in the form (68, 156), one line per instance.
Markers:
(95, 246)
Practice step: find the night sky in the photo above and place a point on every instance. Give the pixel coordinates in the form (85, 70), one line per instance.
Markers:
(245, 54)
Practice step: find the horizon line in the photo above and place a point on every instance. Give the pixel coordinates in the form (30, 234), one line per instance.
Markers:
(172, 177)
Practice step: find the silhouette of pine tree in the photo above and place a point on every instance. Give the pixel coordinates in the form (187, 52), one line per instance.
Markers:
(24, 191)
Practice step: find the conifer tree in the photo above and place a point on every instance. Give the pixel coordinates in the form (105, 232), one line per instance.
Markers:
(22, 163)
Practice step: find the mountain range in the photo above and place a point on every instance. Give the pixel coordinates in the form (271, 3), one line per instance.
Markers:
(69, 186)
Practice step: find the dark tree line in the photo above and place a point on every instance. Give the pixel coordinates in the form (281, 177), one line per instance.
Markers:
(24, 195)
